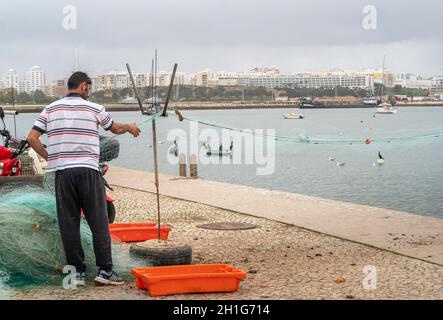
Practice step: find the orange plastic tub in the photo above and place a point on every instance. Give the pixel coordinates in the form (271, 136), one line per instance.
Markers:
(137, 232)
(201, 278)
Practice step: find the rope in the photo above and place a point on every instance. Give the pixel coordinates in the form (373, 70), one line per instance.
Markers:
(317, 141)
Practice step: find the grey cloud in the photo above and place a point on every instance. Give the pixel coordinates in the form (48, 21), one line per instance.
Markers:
(225, 34)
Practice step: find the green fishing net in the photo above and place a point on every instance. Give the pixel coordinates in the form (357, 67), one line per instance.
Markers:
(30, 241)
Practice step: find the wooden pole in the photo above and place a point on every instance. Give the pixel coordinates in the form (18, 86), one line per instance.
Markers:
(193, 166)
(134, 87)
(154, 143)
(182, 165)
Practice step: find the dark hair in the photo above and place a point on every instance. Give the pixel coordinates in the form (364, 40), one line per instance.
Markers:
(78, 78)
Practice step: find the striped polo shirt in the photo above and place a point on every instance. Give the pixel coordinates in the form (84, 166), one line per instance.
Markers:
(71, 125)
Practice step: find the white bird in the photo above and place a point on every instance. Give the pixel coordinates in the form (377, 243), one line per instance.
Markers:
(380, 161)
(340, 164)
(331, 159)
(174, 148)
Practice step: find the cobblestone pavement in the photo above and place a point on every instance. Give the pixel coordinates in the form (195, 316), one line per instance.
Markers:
(282, 261)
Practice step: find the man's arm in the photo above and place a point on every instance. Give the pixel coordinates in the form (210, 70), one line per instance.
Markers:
(120, 128)
(35, 143)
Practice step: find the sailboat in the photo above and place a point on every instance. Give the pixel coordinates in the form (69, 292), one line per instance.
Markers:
(384, 107)
(154, 101)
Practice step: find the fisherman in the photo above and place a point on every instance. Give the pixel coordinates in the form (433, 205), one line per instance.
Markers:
(71, 125)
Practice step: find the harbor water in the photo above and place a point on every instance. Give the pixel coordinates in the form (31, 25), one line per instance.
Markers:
(410, 180)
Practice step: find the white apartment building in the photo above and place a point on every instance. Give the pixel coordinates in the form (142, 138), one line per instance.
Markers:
(202, 78)
(437, 86)
(24, 86)
(408, 80)
(37, 78)
(116, 80)
(11, 80)
(306, 80)
(98, 83)
(141, 80)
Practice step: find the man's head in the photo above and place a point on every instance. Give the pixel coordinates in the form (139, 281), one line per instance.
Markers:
(80, 83)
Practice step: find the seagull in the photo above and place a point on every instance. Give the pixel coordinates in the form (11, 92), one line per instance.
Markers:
(380, 161)
(174, 148)
(331, 158)
(340, 164)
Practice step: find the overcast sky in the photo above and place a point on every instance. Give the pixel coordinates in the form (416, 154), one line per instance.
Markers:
(229, 35)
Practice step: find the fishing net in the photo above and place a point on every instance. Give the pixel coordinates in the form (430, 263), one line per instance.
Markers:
(109, 148)
(30, 240)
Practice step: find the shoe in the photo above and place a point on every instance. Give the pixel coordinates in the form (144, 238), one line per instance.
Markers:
(111, 278)
(79, 279)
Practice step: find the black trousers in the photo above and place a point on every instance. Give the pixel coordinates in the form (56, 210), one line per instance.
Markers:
(83, 189)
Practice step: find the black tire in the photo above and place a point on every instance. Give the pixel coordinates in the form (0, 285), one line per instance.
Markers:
(111, 211)
(163, 256)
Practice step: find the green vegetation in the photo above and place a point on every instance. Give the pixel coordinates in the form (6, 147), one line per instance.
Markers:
(37, 97)
(215, 94)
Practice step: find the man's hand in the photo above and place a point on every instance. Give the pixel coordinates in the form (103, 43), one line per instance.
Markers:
(134, 130)
(120, 128)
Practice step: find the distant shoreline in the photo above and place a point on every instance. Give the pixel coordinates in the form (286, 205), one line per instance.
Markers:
(220, 106)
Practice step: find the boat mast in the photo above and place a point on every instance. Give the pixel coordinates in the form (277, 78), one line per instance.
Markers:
(383, 78)
(155, 78)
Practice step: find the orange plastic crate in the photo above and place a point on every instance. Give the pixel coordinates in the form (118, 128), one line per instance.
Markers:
(137, 232)
(201, 278)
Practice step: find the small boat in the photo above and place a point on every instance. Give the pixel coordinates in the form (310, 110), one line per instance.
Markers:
(385, 108)
(212, 152)
(370, 100)
(219, 152)
(307, 103)
(331, 158)
(340, 164)
(293, 115)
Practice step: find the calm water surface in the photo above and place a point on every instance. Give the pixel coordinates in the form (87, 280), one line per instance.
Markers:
(410, 180)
